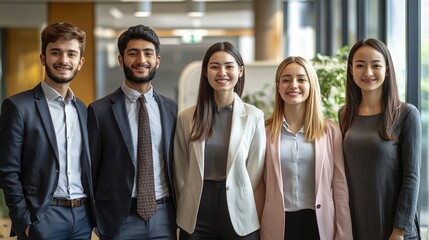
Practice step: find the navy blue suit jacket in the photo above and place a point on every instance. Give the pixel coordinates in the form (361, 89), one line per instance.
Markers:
(111, 147)
(29, 165)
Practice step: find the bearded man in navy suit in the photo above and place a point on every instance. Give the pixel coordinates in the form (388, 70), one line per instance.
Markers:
(44, 162)
(112, 127)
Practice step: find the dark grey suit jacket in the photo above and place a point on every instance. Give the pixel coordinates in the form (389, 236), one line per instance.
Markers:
(29, 165)
(111, 148)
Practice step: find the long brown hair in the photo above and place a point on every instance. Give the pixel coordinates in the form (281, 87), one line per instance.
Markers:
(205, 108)
(391, 104)
(314, 121)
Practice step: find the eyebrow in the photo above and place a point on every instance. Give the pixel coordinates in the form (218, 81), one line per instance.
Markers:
(144, 49)
(371, 61)
(67, 50)
(290, 75)
(220, 63)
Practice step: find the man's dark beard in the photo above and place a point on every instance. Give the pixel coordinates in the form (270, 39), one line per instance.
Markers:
(56, 79)
(130, 76)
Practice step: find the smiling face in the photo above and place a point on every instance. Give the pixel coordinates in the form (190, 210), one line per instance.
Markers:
(140, 61)
(223, 72)
(62, 61)
(294, 85)
(368, 69)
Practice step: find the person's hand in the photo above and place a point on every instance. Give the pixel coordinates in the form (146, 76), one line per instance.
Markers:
(27, 231)
(397, 234)
(95, 230)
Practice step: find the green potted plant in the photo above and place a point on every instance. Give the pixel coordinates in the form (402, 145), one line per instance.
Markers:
(332, 74)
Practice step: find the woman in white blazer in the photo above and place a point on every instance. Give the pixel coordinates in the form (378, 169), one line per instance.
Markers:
(219, 153)
(306, 195)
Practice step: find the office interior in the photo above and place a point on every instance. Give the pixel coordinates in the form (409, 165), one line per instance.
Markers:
(265, 31)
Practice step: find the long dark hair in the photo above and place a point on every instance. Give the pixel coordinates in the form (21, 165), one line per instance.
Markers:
(391, 104)
(205, 108)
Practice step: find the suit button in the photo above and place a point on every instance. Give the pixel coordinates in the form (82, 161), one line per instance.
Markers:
(318, 206)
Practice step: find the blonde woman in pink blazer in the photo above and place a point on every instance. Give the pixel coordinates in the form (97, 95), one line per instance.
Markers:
(303, 194)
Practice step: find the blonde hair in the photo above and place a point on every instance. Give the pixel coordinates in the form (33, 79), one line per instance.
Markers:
(314, 120)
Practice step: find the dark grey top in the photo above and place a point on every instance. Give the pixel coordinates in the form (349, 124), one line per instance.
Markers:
(216, 148)
(383, 176)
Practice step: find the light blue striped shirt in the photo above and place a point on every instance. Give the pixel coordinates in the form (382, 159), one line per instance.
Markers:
(133, 105)
(69, 142)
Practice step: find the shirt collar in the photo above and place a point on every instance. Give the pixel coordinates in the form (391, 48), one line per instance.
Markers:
(286, 126)
(52, 94)
(134, 95)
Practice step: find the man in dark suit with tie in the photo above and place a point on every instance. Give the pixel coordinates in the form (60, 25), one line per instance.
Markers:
(119, 152)
(45, 162)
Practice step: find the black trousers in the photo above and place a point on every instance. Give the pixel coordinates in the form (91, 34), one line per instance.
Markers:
(213, 220)
(301, 225)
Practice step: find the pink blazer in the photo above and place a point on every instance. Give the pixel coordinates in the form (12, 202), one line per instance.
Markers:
(332, 208)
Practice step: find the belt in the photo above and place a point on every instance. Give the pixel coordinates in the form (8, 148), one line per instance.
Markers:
(158, 201)
(163, 200)
(71, 203)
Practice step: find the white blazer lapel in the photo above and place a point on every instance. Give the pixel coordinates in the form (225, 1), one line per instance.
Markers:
(199, 148)
(238, 127)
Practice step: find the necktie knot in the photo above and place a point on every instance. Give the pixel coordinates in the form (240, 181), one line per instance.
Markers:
(142, 99)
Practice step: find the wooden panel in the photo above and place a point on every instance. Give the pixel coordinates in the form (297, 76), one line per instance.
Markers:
(81, 14)
(22, 60)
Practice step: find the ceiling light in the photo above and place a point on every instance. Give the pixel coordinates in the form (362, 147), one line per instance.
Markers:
(144, 8)
(196, 8)
(116, 13)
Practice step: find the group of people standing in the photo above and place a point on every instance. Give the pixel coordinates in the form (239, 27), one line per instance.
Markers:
(131, 167)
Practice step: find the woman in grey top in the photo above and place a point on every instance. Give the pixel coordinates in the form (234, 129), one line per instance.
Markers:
(381, 146)
(219, 153)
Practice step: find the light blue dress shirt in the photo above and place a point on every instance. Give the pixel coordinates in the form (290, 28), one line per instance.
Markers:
(69, 142)
(298, 170)
(132, 105)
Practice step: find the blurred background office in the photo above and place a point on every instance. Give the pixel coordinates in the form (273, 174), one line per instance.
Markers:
(265, 31)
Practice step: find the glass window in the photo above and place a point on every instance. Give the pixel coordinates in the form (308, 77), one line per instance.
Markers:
(424, 186)
(396, 40)
(300, 34)
(372, 10)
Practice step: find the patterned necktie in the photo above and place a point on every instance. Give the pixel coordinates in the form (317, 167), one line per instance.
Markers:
(146, 203)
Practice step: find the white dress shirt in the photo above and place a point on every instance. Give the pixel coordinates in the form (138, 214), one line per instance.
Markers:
(69, 142)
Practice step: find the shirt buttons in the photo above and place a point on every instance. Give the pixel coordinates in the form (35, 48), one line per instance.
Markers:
(318, 206)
